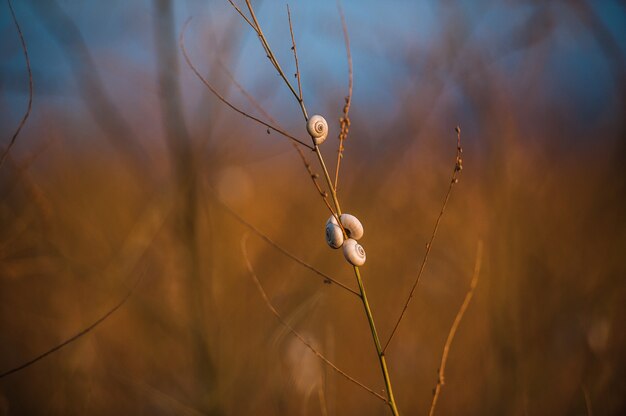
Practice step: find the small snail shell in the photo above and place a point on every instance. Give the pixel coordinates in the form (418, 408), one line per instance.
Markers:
(334, 235)
(354, 252)
(352, 225)
(317, 128)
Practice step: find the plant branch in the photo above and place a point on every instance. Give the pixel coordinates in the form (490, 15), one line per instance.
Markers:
(379, 351)
(273, 60)
(223, 99)
(30, 86)
(458, 166)
(278, 316)
(314, 176)
(76, 336)
(295, 55)
(243, 16)
(455, 326)
(345, 119)
(149, 223)
(264, 237)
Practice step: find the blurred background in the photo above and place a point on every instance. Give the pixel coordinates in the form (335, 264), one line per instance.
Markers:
(118, 180)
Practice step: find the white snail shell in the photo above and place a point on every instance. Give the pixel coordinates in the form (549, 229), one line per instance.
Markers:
(354, 252)
(317, 128)
(334, 235)
(352, 225)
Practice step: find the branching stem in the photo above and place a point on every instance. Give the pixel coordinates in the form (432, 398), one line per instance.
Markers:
(379, 351)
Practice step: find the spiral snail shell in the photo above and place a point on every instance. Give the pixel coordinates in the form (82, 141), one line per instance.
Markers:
(334, 235)
(354, 252)
(317, 128)
(352, 225)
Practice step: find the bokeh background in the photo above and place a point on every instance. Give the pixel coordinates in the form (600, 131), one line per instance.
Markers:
(118, 180)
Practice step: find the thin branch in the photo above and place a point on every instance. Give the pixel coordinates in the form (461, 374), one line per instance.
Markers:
(458, 166)
(76, 336)
(345, 119)
(271, 307)
(223, 99)
(455, 326)
(314, 176)
(243, 16)
(295, 55)
(327, 278)
(391, 401)
(30, 85)
(124, 264)
(273, 60)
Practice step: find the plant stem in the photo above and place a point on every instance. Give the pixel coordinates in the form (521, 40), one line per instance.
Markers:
(333, 192)
(368, 312)
(381, 355)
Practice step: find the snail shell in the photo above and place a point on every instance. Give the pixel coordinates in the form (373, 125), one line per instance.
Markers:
(352, 225)
(354, 252)
(317, 128)
(334, 235)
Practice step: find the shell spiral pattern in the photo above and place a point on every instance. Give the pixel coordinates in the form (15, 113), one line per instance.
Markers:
(334, 235)
(354, 252)
(317, 128)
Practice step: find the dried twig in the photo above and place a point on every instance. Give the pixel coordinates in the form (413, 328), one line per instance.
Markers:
(336, 212)
(223, 99)
(458, 166)
(344, 121)
(76, 336)
(264, 237)
(455, 326)
(295, 55)
(132, 250)
(30, 85)
(271, 307)
(273, 60)
(314, 176)
(243, 16)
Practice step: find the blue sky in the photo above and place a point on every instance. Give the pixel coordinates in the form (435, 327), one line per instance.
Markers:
(390, 44)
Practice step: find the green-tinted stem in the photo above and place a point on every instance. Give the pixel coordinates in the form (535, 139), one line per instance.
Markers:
(379, 350)
(368, 312)
(333, 193)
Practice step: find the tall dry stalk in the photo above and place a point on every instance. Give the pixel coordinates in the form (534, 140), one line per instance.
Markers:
(251, 20)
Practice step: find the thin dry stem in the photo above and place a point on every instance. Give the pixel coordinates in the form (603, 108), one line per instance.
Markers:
(130, 254)
(455, 326)
(76, 336)
(30, 86)
(390, 401)
(273, 60)
(458, 166)
(295, 55)
(278, 316)
(381, 354)
(264, 237)
(314, 176)
(223, 99)
(344, 121)
(243, 16)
